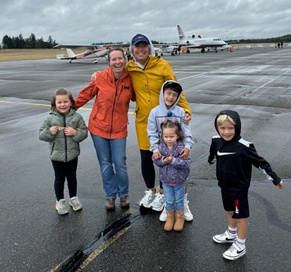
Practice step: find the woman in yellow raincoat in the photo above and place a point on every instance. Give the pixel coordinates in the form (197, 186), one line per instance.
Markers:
(148, 73)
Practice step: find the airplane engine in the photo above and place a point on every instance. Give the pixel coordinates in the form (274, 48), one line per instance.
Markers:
(193, 36)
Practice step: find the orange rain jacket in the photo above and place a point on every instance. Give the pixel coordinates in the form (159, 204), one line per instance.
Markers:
(109, 115)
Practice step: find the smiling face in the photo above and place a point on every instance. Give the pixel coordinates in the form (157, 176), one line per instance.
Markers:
(63, 104)
(170, 97)
(226, 130)
(117, 62)
(141, 52)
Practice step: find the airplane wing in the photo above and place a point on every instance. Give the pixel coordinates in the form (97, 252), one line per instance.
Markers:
(89, 46)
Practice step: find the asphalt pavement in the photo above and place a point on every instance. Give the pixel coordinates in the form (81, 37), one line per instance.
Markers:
(255, 82)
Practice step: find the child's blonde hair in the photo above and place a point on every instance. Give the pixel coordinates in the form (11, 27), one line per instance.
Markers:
(222, 118)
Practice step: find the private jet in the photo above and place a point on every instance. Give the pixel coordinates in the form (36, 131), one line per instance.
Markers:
(199, 42)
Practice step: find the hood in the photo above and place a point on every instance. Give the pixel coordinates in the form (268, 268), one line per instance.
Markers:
(166, 84)
(235, 116)
(152, 49)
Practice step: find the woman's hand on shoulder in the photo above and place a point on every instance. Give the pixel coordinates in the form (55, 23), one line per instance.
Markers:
(93, 77)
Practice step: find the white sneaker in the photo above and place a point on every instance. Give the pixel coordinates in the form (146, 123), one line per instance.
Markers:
(163, 215)
(61, 207)
(75, 203)
(234, 252)
(158, 202)
(147, 199)
(188, 216)
(223, 238)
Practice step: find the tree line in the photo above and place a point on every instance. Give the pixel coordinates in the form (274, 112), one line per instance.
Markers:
(286, 38)
(29, 43)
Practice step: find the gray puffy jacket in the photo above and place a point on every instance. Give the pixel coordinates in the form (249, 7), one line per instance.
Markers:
(61, 147)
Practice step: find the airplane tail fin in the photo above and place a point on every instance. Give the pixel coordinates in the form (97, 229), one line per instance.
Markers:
(180, 32)
(70, 53)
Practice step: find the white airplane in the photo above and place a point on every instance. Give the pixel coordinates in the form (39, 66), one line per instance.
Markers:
(167, 49)
(199, 42)
(92, 51)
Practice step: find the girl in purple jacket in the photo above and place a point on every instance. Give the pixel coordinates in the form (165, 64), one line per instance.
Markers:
(173, 173)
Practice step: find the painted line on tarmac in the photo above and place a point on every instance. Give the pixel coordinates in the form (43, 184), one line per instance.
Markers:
(43, 105)
(82, 258)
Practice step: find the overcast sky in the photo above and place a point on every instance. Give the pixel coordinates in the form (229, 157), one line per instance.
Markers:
(93, 21)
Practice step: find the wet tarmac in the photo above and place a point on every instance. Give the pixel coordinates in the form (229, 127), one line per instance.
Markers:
(255, 82)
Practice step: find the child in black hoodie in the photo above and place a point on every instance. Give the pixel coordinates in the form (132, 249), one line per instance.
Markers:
(234, 159)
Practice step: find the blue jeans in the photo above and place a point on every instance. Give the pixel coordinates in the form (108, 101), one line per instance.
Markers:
(174, 196)
(112, 160)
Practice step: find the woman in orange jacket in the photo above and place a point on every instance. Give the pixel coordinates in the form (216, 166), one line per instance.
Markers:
(113, 90)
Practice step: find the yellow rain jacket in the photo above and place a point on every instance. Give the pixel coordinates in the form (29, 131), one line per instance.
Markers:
(147, 83)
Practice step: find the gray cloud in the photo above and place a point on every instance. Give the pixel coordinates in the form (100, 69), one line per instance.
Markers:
(92, 21)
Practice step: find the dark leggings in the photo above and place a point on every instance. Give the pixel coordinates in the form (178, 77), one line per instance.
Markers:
(148, 169)
(63, 170)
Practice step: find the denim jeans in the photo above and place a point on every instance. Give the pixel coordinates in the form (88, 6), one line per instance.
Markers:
(174, 196)
(111, 154)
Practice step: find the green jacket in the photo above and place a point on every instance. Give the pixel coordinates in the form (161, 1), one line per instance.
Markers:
(61, 147)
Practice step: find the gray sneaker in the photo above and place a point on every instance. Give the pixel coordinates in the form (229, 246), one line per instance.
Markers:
(158, 202)
(147, 199)
(188, 216)
(163, 215)
(234, 252)
(75, 204)
(223, 238)
(61, 207)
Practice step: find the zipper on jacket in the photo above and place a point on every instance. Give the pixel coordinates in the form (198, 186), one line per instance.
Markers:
(112, 113)
(65, 138)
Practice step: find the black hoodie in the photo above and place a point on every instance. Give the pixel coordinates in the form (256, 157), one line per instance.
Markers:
(235, 159)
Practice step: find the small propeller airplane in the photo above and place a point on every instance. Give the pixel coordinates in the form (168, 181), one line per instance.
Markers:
(167, 49)
(199, 42)
(92, 51)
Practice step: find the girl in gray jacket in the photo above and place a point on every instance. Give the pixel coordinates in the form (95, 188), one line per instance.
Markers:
(64, 129)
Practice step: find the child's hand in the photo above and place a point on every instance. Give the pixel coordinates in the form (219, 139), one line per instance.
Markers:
(281, 185)
(168, 159)
(54, 130)
(69, 131)
(184, 153)
(157, 155)
(186, 120)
